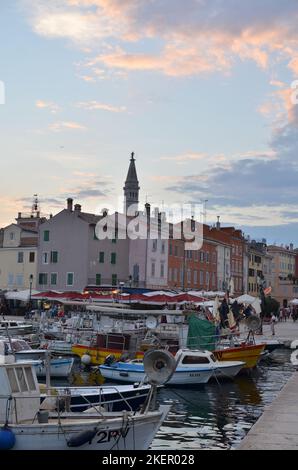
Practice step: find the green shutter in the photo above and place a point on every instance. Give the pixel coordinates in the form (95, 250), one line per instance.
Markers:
(46, 236)
(98, 279)
(70, 279)
(101, 257)
(54, 256)
(54, 279)
(113, 258)
(114, 279)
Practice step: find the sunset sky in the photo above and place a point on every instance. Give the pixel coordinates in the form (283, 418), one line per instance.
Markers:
(200, 90)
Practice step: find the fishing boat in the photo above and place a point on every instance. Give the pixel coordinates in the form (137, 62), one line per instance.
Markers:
(27, 424)
(249, 354)
(59, 366)
(15, 328)
(193, 367)
(111, 398)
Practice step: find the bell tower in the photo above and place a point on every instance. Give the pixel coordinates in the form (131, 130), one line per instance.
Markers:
(131, 187)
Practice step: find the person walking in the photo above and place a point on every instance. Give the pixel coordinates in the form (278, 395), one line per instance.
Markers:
(272, 324)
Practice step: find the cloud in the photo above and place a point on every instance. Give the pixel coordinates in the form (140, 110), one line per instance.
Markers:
(94, 105)
(193, 38)
(69, 125)
(52, 107)
(187, 157)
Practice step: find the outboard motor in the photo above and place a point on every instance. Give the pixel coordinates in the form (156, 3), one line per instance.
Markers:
(109, 360)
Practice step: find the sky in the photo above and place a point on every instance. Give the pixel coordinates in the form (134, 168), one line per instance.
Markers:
(203, 91)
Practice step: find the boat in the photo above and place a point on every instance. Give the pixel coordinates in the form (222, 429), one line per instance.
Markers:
(111, 398)
(249, 354)
(28, 424)
(59, 366)
(15, 327)
(193, 367)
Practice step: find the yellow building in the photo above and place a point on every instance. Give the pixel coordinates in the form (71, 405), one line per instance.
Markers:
(18, 254)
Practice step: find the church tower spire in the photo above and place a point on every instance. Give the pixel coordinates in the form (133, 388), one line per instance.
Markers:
(131, 187)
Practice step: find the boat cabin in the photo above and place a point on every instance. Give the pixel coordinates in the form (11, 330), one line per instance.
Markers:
(192, 357)
(20, 395)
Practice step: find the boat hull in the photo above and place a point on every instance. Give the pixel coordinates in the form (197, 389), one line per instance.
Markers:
(249, 354)
(99, 355)
(180, 377)
(124, 397)
(134, 433)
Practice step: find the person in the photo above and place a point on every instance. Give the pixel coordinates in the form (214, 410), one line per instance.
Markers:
(223, 311)
(272, 323)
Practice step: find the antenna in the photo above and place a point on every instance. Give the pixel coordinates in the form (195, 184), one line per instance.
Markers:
(35, 205)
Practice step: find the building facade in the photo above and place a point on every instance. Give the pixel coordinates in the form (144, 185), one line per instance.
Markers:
(19, 253)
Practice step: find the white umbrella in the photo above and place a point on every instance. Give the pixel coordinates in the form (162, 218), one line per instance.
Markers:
(23, 295)
(247, 299)
(294, 302)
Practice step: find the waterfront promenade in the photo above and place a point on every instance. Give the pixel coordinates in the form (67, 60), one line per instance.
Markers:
(277, 428)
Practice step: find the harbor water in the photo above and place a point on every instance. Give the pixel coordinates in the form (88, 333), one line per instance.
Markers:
(219, 414)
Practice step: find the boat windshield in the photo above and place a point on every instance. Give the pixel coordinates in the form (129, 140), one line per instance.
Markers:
(195, 360)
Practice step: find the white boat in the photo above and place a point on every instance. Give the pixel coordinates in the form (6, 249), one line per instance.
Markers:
(59, 366)
(25, 424)
(192, 367)
(15, 327)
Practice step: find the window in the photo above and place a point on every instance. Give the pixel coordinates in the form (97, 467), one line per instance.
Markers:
(11, 235)
(163, 247)
(54, 256)
(188, 276)
(43, 279)
(54, 277)
(46, 236)
(152, 269)
(31, 257)
(170, 274)
(114, 240)
(195, 360)
(201, 278)
(114, 279)
(98, 279)
(30, 379)
(162, 269)
(207, 279)
(45, 258)
(20, 257)
(101, 257)
(170, 248)
(207, 257)
(154, 245)
(202, 256)
(195, 277)
(12, 380)
(19, 280)
(10, 279)
(21, 379)
(176, 250)
(113, 258)
(70, 279)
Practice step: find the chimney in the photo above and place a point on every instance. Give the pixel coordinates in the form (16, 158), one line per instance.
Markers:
(218, 223)
(19, 215)
(78, 208)
(69, 204)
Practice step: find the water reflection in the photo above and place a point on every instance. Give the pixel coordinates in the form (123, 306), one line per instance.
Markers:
(218, 416)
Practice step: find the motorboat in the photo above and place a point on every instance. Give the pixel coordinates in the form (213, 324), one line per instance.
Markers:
(28, 424)
(109, 397)
(191, 367)
(58, 366)
(13, 327)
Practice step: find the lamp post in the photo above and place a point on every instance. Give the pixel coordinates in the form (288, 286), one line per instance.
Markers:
(30, 290)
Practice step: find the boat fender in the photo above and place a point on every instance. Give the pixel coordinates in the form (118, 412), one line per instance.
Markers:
(82, 438)
(7, 438)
